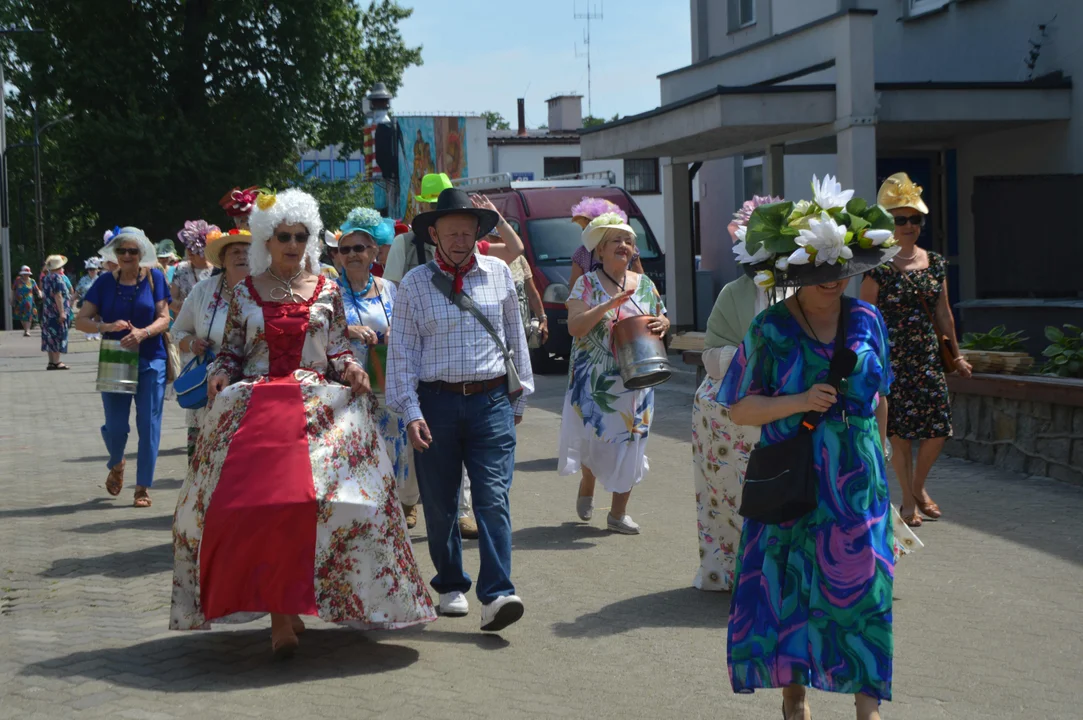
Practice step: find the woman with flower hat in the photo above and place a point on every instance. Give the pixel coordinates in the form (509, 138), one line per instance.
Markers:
(55, 312)
(583, 260)
(911, 292)
(604, 426)
(194, 267)
(289, 506)
(201, 323)
(24, 296)
(720, 447)
(369, 302)
(131, 305)
(811, 604)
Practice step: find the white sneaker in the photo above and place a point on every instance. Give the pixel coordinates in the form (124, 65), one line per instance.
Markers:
(501, 612)
(453, 604)
(584, 508)
(624, 526)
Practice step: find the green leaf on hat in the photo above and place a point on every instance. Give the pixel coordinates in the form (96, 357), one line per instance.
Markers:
(766, 228)
(857, 206)
(878, 218)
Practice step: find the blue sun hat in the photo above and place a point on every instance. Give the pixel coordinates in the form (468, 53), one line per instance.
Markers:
(370, 222)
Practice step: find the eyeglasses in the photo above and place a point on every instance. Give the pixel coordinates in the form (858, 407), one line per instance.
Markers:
(301, 237)
(901, 220)
(353, 249)
(127, 251)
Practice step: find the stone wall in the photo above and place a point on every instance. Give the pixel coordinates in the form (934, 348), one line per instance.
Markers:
(1032, 437)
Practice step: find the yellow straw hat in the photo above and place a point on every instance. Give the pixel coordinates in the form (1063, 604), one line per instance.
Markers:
(899, 191)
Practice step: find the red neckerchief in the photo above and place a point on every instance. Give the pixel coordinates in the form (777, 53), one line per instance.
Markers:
(458, 274)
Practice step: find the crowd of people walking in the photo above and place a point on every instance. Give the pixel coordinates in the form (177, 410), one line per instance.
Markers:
(335, 398)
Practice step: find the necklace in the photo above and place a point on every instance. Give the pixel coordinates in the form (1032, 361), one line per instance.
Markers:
(804, 317)
(286, 291)
(900, 256)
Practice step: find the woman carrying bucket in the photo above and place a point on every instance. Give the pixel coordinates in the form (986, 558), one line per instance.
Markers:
(605, 424)
(133, 304)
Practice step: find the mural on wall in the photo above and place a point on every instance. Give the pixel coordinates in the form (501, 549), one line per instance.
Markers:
(431, 144)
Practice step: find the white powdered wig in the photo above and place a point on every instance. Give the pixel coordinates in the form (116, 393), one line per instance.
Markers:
(289, 207)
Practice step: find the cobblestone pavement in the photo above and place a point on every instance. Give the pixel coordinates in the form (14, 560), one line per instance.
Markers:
(987, 620)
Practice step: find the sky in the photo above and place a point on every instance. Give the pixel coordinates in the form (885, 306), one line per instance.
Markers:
(482, 55)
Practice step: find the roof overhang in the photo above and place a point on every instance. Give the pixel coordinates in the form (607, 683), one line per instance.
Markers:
(729, 121)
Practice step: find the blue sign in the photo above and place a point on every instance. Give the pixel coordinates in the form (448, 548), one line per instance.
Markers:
(522, 176)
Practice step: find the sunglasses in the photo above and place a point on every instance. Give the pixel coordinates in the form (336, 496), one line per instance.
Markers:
(353, 249)
(900, 220)
(301, 237)
(127, 251)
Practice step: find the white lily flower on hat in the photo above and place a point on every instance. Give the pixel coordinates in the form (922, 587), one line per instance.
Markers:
(764, 279)
(825, 240)
(829, 194)
(740, 251)
(878, 237)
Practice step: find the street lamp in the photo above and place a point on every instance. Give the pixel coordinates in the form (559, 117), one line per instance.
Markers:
(5, 235)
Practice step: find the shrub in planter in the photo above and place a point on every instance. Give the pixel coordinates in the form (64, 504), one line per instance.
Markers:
(996, 340)
(1065, 352)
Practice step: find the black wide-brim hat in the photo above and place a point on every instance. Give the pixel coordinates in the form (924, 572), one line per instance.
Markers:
(862, 262)
(454, 201)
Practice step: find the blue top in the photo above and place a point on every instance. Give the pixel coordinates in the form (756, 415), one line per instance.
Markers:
(134, 303)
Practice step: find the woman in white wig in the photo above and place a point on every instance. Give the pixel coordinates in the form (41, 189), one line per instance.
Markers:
(290, 506)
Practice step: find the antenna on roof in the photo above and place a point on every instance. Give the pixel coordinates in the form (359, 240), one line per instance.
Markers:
(597, 12)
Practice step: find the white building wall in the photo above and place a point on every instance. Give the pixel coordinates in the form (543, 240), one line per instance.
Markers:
(478, 159)
(789, 14)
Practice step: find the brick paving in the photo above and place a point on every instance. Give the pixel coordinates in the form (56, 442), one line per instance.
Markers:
(986, 625)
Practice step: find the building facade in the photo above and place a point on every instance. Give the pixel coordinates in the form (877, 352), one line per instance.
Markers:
(973, 98)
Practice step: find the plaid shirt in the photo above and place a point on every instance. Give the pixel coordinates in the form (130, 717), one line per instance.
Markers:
(433, 340)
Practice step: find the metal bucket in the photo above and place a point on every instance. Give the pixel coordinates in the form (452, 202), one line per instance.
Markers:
(640, 353)
(118, 368)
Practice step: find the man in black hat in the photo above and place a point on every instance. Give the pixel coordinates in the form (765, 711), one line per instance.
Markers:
(449, 377)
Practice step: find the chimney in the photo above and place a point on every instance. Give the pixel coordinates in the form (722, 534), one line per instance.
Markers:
(565, 113)
(522, 117)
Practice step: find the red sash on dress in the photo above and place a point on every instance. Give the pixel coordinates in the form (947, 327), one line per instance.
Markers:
(258, 551)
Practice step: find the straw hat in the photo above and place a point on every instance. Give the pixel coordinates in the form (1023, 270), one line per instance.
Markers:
(899, 191)
(595, 231)
(219, 241)
(55, 262)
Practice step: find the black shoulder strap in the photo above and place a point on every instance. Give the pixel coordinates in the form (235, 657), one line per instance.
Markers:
(812, 418)
(419, 248)
(465, 303)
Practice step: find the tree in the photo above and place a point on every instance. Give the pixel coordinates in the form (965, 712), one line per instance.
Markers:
(176, 101)
(495, 121)
(591, 121)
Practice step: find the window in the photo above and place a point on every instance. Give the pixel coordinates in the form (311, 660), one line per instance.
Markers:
(742, 14)
(325, 169)
(561, 166)
(340, 169)
(353, 168)
(308, 167)
(921, 7)
(641, 176)
(753, 177)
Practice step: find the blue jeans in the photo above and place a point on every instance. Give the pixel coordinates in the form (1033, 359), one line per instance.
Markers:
(149, 400)
(477, 431)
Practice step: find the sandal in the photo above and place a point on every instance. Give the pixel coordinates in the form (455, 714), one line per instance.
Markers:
(62, 366)
(52, 366)
(297, 624)
(284, 644)
(115, 482)
(913, 520)
(142, 497)
(929, 508)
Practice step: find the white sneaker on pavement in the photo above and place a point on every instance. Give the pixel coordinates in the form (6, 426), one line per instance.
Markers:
(624, 526)
(454, 604)
(501, 612)
(584, 508)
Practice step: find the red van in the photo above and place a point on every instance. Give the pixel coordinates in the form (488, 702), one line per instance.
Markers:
(540, 211)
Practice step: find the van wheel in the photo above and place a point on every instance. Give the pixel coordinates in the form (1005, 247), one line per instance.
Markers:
(543, 363)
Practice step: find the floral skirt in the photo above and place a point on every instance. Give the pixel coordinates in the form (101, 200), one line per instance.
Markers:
(290, 506)
(720, 451)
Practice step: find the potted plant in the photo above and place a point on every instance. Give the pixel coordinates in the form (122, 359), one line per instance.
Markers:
(1065, 352)
(996, 351)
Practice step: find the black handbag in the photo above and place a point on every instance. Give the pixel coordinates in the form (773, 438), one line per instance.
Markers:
(781, 484)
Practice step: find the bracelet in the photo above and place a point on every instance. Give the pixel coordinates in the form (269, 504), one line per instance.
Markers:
(961, 357)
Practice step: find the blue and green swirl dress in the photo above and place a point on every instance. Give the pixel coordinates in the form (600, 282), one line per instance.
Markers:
(812, 598)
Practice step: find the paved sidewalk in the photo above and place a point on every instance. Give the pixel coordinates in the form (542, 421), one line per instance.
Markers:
(987, 621)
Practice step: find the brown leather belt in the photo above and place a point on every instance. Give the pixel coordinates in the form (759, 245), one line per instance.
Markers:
(466, 388)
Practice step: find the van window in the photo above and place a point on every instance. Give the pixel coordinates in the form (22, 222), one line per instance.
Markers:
(555, 239)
